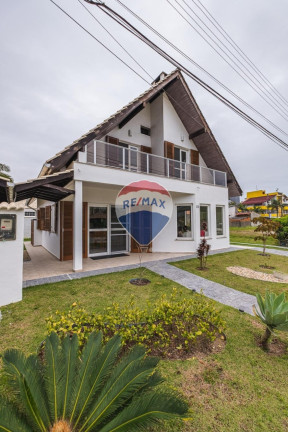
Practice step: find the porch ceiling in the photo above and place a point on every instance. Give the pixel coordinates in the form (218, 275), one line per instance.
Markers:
(51, 188)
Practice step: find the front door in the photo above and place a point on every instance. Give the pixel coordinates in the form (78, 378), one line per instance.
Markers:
(135, 248)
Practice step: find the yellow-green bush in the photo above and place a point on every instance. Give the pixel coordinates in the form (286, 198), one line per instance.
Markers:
(166, 327)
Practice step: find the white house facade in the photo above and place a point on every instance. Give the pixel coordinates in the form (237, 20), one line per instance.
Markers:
(162, 137)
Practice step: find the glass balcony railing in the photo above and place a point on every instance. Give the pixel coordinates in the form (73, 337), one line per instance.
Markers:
(125, 158)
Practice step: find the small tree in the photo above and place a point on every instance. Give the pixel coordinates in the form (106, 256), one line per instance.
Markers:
(267, 227)
(282, 232)
(276, 205)
(203, 248)
(5, 169)
(257, 209)
(241, 207)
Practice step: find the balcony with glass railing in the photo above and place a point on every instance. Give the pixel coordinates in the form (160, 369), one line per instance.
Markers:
(130, 159)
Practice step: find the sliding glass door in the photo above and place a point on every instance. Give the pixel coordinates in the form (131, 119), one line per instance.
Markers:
(98, 230)
(106, 234)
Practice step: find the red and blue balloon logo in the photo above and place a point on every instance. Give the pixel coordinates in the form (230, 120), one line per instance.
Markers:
(144, 208)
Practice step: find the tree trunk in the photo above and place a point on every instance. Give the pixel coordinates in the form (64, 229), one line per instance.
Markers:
(264, 247)
(265, 339)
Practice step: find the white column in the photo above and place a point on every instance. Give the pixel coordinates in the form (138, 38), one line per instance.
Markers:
(11, 253)
(77, 226)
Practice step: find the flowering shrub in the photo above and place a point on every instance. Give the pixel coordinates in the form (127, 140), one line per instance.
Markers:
(167, 327)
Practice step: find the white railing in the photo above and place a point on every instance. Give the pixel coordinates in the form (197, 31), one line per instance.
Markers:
(125, 158)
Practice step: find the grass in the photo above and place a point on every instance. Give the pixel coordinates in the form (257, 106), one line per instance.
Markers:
(247, 235)
(217, 272)
(239, 389)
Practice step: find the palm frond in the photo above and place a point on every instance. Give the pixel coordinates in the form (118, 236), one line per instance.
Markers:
(129, 377)
(10, 420)
(24, 378)
(53, 372)
(70, 348)
(146, 411)
(98, 366)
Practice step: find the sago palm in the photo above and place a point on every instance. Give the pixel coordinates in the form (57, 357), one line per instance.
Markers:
(97, 391)
(273, 312)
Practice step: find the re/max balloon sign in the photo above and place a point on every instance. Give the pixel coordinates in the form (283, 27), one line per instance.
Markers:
(144, 208)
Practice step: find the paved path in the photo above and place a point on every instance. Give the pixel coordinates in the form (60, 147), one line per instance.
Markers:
(213, 290)
(268, 251)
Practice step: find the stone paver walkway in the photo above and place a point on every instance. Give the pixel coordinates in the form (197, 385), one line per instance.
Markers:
(213, 290)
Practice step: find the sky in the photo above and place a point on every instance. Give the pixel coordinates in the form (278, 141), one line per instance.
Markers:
(56, 82)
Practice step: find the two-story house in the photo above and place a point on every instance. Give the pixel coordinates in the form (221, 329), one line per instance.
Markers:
(160, 136)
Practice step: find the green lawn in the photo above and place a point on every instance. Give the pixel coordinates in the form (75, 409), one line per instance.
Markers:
(247, 235)
(217, 272)
(239, 389)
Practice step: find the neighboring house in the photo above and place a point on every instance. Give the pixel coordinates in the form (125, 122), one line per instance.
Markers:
(160, 136)
(264, 203)
(29, 215)
(243, 219)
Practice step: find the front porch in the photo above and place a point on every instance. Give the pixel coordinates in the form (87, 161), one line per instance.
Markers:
(45, 265)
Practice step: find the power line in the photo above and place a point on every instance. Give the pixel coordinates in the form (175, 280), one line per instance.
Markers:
(115, 55)
(125, 24)
(229, 39)
(278, 103)
(186, 56)
(115, 40)
(97, 40)
(259, 92)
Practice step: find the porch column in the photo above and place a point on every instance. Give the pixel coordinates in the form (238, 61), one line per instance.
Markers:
(77, 228)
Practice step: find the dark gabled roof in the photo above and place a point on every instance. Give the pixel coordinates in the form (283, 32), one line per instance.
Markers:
(187, 109)
(50, 188)
(258, 200)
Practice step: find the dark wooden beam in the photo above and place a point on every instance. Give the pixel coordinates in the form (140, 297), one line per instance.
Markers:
(197, 133)
(42, 181)
(131, 115)
(59, 189)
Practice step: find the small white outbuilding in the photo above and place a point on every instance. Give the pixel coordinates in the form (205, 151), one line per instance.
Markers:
(11, 251)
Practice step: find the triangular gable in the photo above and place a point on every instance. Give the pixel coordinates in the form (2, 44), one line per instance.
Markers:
(186, 108)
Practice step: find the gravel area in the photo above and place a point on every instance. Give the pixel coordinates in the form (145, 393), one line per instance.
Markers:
(252, 274)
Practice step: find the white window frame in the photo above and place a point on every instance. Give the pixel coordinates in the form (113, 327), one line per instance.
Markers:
(53, 218)
(191, 219)
(208, 234)
(223, 220)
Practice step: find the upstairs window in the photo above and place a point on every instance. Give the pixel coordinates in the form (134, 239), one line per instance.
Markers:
(145, 130)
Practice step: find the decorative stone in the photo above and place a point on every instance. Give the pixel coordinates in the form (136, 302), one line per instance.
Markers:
(252, 274)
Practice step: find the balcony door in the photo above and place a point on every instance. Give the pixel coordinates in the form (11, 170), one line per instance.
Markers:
(180, 157)
(106, 235)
